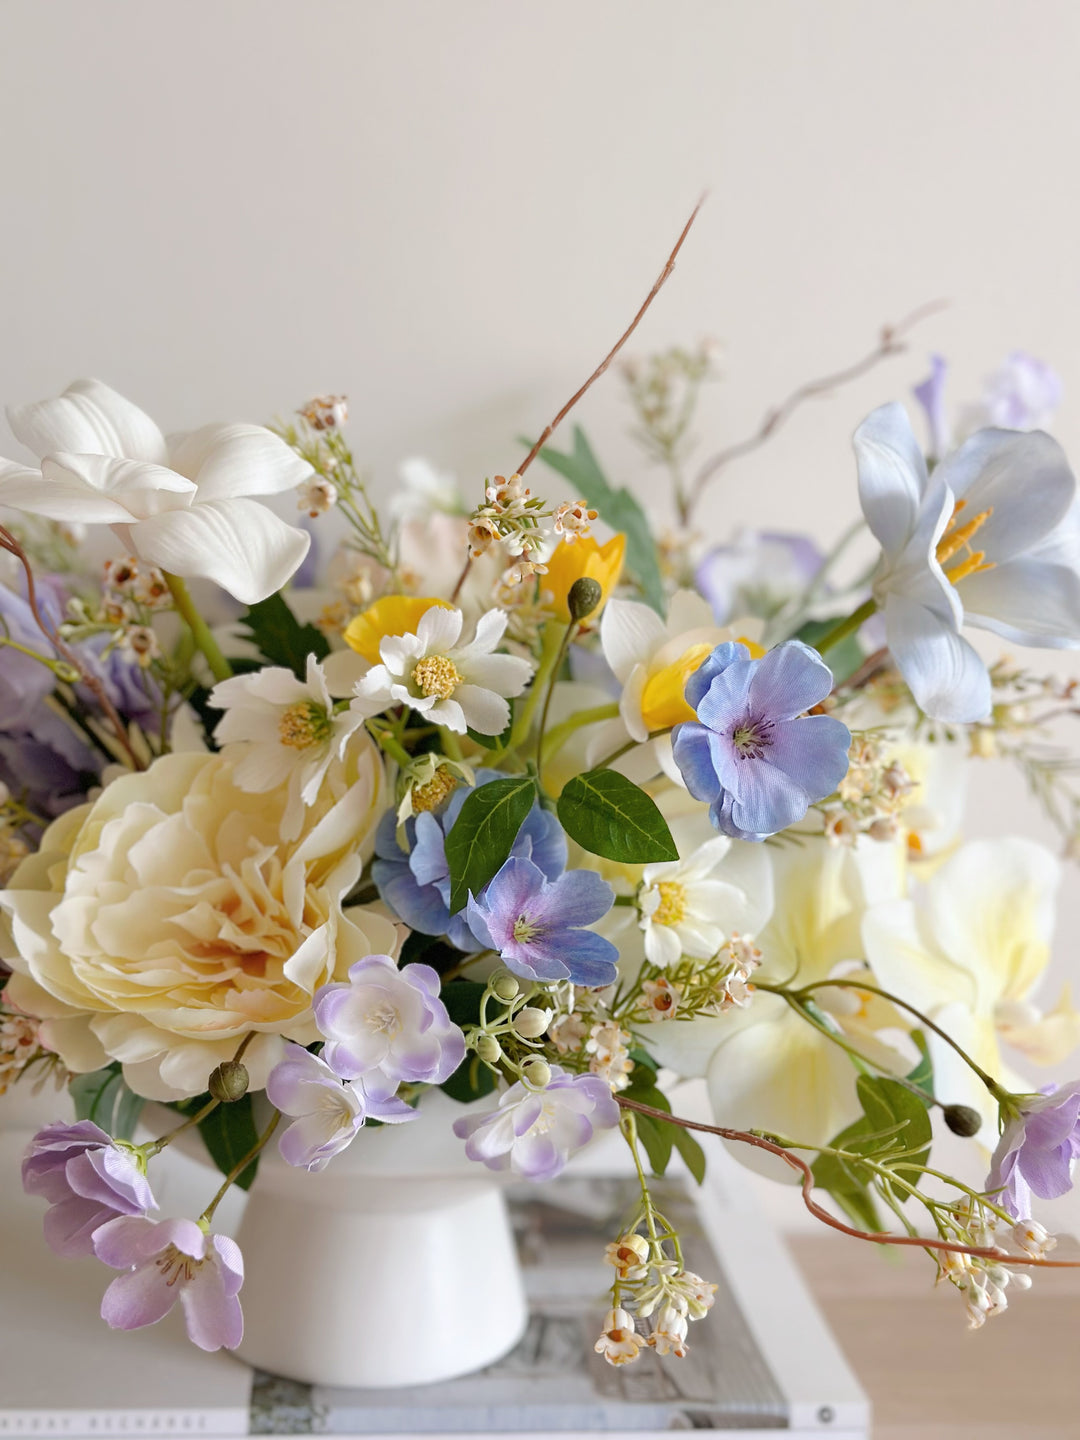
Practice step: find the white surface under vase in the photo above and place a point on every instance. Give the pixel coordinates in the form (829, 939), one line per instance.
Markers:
(396, 1265)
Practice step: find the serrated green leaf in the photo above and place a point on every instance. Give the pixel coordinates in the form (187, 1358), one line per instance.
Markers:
(618, 508)
(609, 815)
(484, 832)
(280, 637)
(656, 1140)
(102, 1097)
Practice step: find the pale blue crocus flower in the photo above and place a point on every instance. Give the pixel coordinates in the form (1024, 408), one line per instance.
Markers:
(991, 538)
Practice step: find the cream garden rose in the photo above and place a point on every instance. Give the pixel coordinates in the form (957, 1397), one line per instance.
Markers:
(164, 921)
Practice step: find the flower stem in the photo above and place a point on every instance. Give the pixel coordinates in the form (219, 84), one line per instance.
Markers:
(239, 1168)
(551, 645)
(560, 656)
(200, 631)
(846, 627)
(558, 735)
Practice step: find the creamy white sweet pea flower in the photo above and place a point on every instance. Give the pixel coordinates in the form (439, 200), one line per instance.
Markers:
(459, 686)
(991, 538)
(183, 503)
(970, 951)
(693, 906)
(282, 731)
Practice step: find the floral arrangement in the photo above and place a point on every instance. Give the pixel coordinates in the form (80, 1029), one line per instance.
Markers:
(482, 801)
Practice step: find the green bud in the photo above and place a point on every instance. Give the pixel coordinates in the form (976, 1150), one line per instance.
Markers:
(228, 1082)
(488, 1048)
(962, 1119)
(505, 986)
(536, 1072)
(585, 595)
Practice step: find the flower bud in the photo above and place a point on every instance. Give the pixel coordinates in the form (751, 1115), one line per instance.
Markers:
(531, 1022)
(585, 595)
(536, 1072)
(488, 1048)
(229, 1081)
(505, 986)
(962, 1119)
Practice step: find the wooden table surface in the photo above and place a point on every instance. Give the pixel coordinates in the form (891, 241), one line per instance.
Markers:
(928, 1375)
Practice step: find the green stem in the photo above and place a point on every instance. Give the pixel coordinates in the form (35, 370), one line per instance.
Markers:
(631, 745)
(846, 627)
(560, 656)
(550, 647)
(558, 735)
(200, 631)
(239, 1168)
(389, 745)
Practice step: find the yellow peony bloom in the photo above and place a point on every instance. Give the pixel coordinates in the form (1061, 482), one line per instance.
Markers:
(580, 559)
(164, 921)
(392, 615)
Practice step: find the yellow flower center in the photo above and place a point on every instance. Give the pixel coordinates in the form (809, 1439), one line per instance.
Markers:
(957, 541)
(433, 792)
(436, 675)
(303, 724)
(672, 907)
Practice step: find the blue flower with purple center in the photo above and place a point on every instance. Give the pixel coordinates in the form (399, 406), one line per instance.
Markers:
(753, 754)
(536, 924)
(416, 885)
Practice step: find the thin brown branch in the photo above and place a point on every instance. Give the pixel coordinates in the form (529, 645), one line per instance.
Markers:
(892, 341)
(610, 356)
(867, 671)
(9, 543)
(923, 1242)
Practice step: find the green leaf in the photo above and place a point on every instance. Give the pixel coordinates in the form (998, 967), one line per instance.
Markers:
(843, 659)
(471, 1080)
(692, 1153)
(923, 1074)
(484, 833)
(609, 815)
(229, 1133)
(656, 1141)
(462, 1000)
(103, 1097)
(618, 508)
(847, 1187)
(280, 638)
(886, 1102)
(495, 742)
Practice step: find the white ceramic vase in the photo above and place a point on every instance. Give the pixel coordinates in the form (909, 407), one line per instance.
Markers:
(396, 1265)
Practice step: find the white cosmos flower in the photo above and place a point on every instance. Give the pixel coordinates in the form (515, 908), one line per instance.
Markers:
(183, 503)
(969, 952)
(693, 906)
(280, 730)
(991, 538)
(459, 686)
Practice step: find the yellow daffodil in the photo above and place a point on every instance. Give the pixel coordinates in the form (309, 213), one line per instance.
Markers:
(583, 558)
(392, 615)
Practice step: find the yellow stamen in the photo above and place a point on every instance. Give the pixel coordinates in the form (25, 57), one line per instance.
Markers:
(430, 795)
(973, 565)
(957, 539)
(303, 724)
(436, 675)
(672, 907)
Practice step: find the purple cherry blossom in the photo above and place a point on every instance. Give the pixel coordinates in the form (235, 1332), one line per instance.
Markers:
(166, 1260)
(749, 755)
(87, 1180)
(534, 1132)
(390, 1021)
(329, 1111)
(535, 923)
(1037, 1150)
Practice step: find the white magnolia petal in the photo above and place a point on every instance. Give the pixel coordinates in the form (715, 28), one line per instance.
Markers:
(241, 545)
(688, 611)
(1022, 478)
(629, 633)
(143, 488)
(1026, 601)
(89, 418)
(58, 496)
(234, 460)
(892, 476)
(946, 675)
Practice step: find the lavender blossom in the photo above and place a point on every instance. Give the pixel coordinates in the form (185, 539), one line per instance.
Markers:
(388, 1021)
(931, 396)
(329, 1111)
(416, 885)
(167, 1260)
(87, 1180)
(534, 1132)
(749, 755)
(1022, 394)
(1037, 1150)
(757, 574)
(535, 923)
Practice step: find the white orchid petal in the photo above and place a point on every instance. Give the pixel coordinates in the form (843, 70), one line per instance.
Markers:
(89, 418)
(907, 963)
(946, 675)
(58, 496)
(142, 488)
(892, 476)
(241, 545)
(237, 460)
(629, 634)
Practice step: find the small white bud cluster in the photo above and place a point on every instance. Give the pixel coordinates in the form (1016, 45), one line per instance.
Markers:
(659, 1290)
(983, 1281)
(870, 796)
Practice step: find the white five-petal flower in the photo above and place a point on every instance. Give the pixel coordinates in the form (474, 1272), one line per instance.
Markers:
(285, 731)
(693, 906)
(1000, 518)
(183, 503)
(459, 686)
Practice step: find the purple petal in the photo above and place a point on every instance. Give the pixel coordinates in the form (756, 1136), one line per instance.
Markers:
(813, 751)
(788, 681)
(713, 665)
(769, 799)
(578, 897)
(212, 1315)
(141, 1297)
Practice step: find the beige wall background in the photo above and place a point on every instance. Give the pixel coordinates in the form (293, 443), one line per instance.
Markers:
(448, 209)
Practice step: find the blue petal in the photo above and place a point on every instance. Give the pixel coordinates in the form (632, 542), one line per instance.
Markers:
(541, 839)
(690, 747)
(593, 960)
(420, 906)
(713, 665)
(769, 799)
(427, 859)
(813, 751)
(788, 681)
(577, 898)
(727, 699)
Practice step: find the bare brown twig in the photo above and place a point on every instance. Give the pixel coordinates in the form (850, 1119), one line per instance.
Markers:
(9, 543)
(891, 342)
(550, 428)
(924, 1242)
